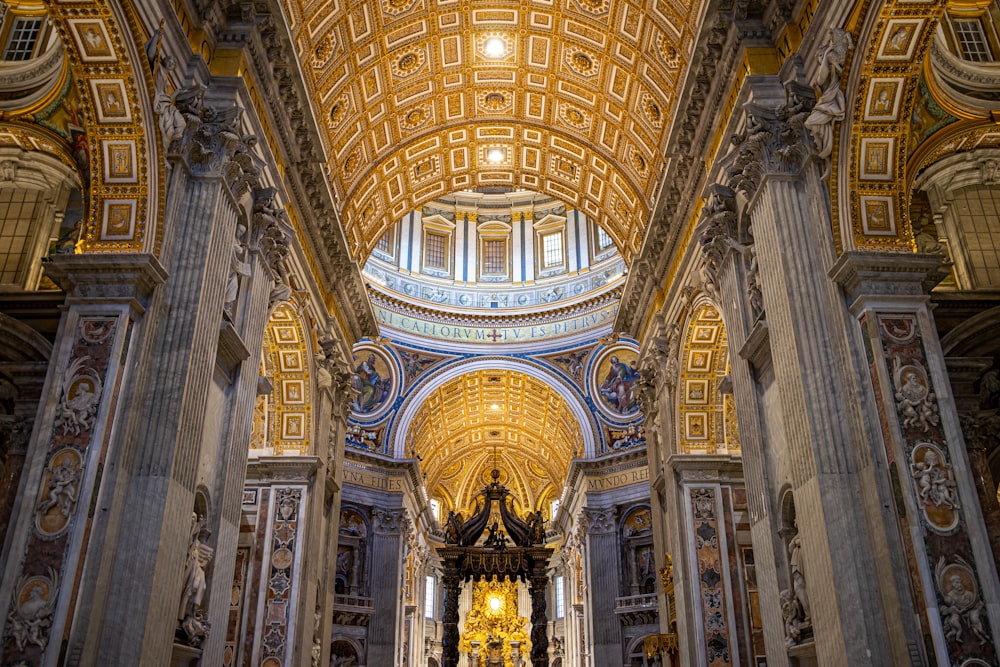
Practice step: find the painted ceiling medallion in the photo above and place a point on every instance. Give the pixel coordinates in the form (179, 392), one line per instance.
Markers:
(614, 379)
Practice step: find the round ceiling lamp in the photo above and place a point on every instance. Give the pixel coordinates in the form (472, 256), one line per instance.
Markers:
(494, 155)
(495, 47)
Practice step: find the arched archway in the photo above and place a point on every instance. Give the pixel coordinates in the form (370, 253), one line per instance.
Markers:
(283, 418)
(706, 414)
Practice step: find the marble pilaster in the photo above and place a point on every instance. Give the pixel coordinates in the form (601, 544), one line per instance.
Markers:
(950, 562)
(170, 446)
(389, 530)
(817, 428)
(283, 624)
(53, 534)
(603, 567)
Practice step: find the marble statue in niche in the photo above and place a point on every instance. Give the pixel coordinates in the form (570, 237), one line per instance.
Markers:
(795, 604)
(191, 615)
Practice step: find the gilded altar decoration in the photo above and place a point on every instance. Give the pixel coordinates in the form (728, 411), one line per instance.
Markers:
(493, 628)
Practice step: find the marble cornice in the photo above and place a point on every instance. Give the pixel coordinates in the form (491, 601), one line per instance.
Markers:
(863, 273)
(465, 318)
(384, 465)
(106, 277)
(611, 463)
(260, 31)
(715, 59)
(267, 469)
(706, 467)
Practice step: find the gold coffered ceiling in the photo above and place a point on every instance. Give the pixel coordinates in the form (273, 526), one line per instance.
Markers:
(531, 429)
(411, 102)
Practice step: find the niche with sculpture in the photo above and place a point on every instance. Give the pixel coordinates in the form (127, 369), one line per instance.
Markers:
(192, 624)
(352, 547)
(637, 544)
(795, 605)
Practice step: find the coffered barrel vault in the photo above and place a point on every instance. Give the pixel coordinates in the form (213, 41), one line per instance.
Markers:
(574, 99)
(523, 422)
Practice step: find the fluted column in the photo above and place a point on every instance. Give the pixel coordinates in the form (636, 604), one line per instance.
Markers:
(166, 445)
(335, 393)
(603, 570)
(807, 359)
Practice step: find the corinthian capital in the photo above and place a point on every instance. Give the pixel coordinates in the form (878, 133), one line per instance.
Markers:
(774, 141)
(599, 521)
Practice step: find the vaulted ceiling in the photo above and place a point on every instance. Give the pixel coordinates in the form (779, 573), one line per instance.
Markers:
(520, 420)
(412, 98)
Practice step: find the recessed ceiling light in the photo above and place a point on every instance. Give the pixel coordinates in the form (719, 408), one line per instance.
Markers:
(495, 47)
(494, 155)
(494, 407)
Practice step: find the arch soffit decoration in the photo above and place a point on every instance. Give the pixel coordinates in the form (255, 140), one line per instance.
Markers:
(706, 417)
(101, 41)
(283, 421)
(426, 386)
(411, 101)
(871, 155)
(532, 432)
